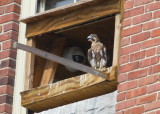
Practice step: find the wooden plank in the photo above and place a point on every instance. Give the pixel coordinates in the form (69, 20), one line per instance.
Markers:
(116, 48)
(50, 66)
(66, 91)
(72, 18)
(61, 60)
(60, 10)
(38, 71)
(29, 72)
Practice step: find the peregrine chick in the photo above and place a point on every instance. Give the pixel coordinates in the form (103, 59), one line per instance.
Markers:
(97, 54)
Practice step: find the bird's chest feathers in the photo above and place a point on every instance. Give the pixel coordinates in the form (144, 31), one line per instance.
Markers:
(96, 47)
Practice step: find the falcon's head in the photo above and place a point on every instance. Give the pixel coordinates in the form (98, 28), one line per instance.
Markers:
(93, 38)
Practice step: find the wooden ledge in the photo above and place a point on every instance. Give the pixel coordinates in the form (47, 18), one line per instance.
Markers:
(61, 10)
(66, 91)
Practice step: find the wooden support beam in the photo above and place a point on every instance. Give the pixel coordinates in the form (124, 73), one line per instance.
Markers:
(50, 66)
(61, 60)
(29, 72)
(66, 91)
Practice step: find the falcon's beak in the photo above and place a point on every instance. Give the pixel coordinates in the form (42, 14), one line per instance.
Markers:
(89, 38)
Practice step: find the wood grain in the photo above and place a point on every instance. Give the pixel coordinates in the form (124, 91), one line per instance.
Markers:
(29, 72)
(50, 66)
(61, 10)
(61, 60)
(66, 91)
(72, 18)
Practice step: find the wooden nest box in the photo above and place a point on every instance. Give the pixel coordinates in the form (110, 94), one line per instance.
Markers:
(49, 84)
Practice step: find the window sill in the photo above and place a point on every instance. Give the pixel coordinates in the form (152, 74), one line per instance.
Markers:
(68, 91)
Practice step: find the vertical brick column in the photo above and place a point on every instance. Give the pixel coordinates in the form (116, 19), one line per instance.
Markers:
(139, 72)
(9, 15)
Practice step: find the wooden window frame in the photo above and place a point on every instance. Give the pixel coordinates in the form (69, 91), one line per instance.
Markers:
(30, 59)
(42, 5)
(28, 8)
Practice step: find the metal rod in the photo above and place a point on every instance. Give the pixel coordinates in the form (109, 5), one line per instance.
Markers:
(60, 60)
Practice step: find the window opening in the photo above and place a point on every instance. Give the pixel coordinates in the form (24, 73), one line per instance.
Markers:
(43, 5)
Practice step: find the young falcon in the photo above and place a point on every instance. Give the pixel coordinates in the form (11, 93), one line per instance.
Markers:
(97, 54)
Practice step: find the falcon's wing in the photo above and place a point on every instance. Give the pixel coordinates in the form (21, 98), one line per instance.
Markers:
(90, 57)
(104, 50)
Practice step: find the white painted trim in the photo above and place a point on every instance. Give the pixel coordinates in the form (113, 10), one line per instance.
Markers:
(28, 8)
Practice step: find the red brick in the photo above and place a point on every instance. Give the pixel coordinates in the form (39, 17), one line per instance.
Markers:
(159, 95)
(7, 72)
(153, 6)
(156, 68)
(1, 10)
(156, 14)
(129, 67)
(125, 41)
(141, 2)
(126, 22)
(137, 74)
(158, 50)
(4, 2)
(6, 108)
(153, 112)
(11, 26)
(7, 45)
(137, 56)
(150, 43)
(124, 59)
(148, 62)
(120, 112)
(8, 63)
(133, 12)
(153, 105)
(9, 35)
(142, 18)
(148, 80)
(151, 25)
(150, 52)
(158, 112)
(130, 49)
(8, 53)
(122, 77)
(140, 37)
(0, 29)
(136, 92)
(136, 110)
(121, 96)
(132, 30)
(128, 4)
(155, 33)
(7, 80)
(153, 88)
(146, 99)
(125, 104)
(12, 8)
(127, 86)
(9, 17)
(6, 99)
(6, 90)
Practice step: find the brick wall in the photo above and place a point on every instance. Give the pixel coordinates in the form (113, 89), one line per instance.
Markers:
(139, 78)
(9, 14)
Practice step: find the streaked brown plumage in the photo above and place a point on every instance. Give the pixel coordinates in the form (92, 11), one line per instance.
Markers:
(97, 54)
